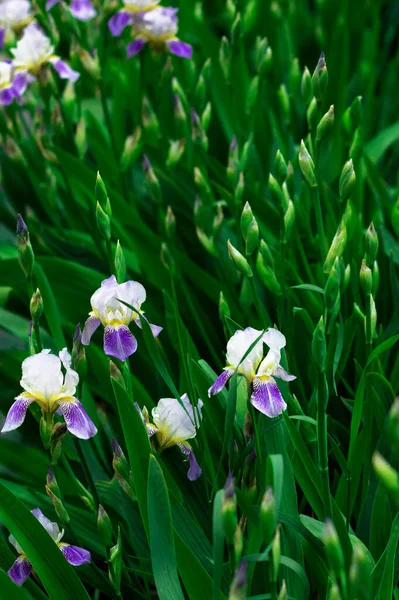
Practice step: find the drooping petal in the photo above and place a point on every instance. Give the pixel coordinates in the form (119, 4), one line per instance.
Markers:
(77, 420)
(20, 82)
(75, 556)
(118, 22)
(51, 527)
(64, 70)
(7, 96)
(20, 570)
(17, 413)
(83, 10)
(156, 329)
(180, 48)
(90, 326)
(135, 47)
(266, 397)
(119, 342)
(195, 470)
(282, 374)
(51, 3)
(220, 382)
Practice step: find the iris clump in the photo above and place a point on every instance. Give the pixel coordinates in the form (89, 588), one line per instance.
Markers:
(198, 300)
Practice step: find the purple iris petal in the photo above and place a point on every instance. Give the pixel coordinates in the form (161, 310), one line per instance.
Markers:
(266, 397)
(51, 3)
(180, 48)
(118, 22)
(83, 10)
(220, 382)
(282, 374)
(156, 329)
(77, 420)
(2, 32)
(75, 556)
(17, 413)
(135, 47)
(119, 342)
(195, 470)
(20, 570)
(7, 96)
(90, 326)
(64, 70)
(20, 82)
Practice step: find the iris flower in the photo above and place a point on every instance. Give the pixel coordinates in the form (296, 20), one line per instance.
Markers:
(83, 10)
(126, 15)
(12, 84)
(259, 371)
(14, 15)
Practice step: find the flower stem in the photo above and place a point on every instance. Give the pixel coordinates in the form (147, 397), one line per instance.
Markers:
(322, 400)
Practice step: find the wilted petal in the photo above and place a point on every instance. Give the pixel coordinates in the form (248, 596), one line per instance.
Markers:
(75, 556)
(282, 374)
(195, 470)
(83, 10)
(64, 70)
(90, 326)
(17, 413)
(119, 342)
(135, 47)
(180, 48)
(220, 382)
(118, 22)
(20, 570)
(266, 397)
(77, 420)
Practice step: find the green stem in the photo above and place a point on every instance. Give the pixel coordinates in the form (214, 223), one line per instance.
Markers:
(322, 400)
(35, 322)
(319, 221)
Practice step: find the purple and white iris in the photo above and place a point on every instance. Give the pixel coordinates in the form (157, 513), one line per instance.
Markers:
(14, 15)
(173, 424)
(83, 10)
(116, 317)
(34, 50)
(125, 16)
(22, 568)
(12, 84)
(49, 380)
(258, 371)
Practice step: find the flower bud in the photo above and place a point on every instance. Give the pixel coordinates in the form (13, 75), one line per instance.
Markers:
(275, 191)
(102, 195)
(263, 56)
(376, 279)
(179, 112)
(246, 153)
(268, 516)
(346, 278)
(333, 549)
(246, 219)
(239, 261)
(206, 119)
(207, 241)
(104, 526)
(239, 583)
(149, 120)
(283, 595)
(252, 238)
(294, 78)
(337, 247)
(373, 318)
(225, 58)
(26, 258)
(252, 95)
(276, 555)
(334, 593)
(170, 223)
(59, 508)
(120, 264)
(202, 183)
(371, 245)
(238, 544)
(347, 181)
(81, 138)
(91, 63)
(387, 475)
(36, 306)
(266, 273)
(357, 145)
(280, 168)
(224, 309)
(307, 166)
(119, 462)
(132, 149)
(325, 125)
(115, 564)
(284, 103)
(103, 222)
(319, 346)
(289, 220)
(366, 279)
(306, 86)
(312, 115)
(360, 574)
(229, 510)
(332, 295)
(320, 79)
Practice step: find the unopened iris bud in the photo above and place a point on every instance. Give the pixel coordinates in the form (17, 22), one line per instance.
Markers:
(376, 279)
(360, 574)
(91, 63)
(268, 516)
(347, 181)
(170, 223)
(103, 222)
(252, 237)
(332, 296)
(149, 120)
(206, 117)
(266, 274)
(202, 183)
(387, 475)
(36, 306)
(246, 153)
(104, 526)
(232, 166)
(225, 57)
(337, 247)
(289, 220)
(294, 77)
(325, 125)
(102, 195)
(307, 166)
(229, 510)
(132, 149)
(239, 583)
(236, 30)
(276, 554)
(167, 259)
(366, 279)
(334, 593)
(59, 508)
(263, 56)
(356, 147)
(120, 263)
(371, 245)
(333, 549)
(119, 462)
(312, 115)
(180, 113)
(115, 564)
(239, 261)
(280, 168)
(283, 595)
(246, 219)
(207, 241)
(176, 151)
(306, 86)
(275, 191)
(284, 103)
(238, 544)
(320, 79)
(319, 346)
(373, 317)
(152, 181)
(26, 258)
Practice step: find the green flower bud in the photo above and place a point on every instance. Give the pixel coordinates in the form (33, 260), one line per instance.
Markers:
(232, 167)
(238, 544)
(373, 317)
(179, 112)
(202, 183)
(312, 115)
(59, 508)
(376, 279)
(263, 56)
(115, 564)
(334, 593)
(36, 306)
(284, 103)
(332, 295)
(252, 238)
(325, 125)
(347, 181)
(333, 549)
(207, 241)
(150, 120)
(283, 595)
(355, 151)
(132, 149)
(275, 191)
(346, 278)
(337, 247)
(239, 583)
(206, 116)
(91, 63)
(176, 151)
(371, 245)
(319, 346)
(280, 168)
(225, 57)
(307, 166)
(120, 264)
(320, 79)
(229, 510)
(81, 138)
(276, 554)
(239, 261)
(306, 86)
(167, 259)
(387, 475)
(252, 94)
(103, 222)
(294, 77)
(152, 181)
(360, 574)
(289, 220)
(268, 516)
(46, 430)
(366, 279)
(26, 257)
(104, 526)
(170, 223)
(224, 309)
(246, 153)
(102, 196)
(266, 273)
(246, 219)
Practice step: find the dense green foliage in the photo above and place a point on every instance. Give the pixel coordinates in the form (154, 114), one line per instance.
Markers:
(234, 223)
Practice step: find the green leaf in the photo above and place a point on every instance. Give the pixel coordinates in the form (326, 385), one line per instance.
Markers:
(309, 287)
(10, 590)
(218, 544)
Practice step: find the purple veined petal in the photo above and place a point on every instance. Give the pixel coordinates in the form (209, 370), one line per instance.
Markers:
(2, 33)
(180, 48)
(118, 22)
(17, 413)
(20, 82)
(282, 374)
(194, 472)
(220, 382)
(135, 47)
(75, 556)
(20, 570)
(156, 329)
(7, 96)
(90, 326)
(64, 70)
(119, 342)
(77, 420)
(267, 398)
(51, 3)
(83, 10)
